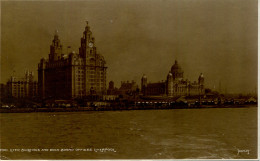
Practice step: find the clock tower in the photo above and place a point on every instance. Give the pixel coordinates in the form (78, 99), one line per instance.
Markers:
(94, 64)
(87, 47)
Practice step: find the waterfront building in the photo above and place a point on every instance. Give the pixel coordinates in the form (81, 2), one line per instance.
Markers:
(22, 87)
(112, 92)
(174, 85)
(111, 88)
(128, 88)
(75, 75)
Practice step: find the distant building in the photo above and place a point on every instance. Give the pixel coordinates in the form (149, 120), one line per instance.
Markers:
(24, 87)
(112, 92)
(75, 75)
(111, 89)
(174, 85)
(128, 88)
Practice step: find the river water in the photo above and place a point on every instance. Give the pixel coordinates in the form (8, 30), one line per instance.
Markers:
(212, 133)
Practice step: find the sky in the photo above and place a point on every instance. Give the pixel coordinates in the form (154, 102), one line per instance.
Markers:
(215, 37)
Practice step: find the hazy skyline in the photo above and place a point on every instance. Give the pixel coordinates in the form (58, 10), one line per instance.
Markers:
(215, 37)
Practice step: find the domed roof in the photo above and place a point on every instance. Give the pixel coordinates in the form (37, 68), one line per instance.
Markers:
(144, 76)
(176, 67)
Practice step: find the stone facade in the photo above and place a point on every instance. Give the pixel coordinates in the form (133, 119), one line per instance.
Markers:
(24, 87)
(128, 88)
(75, 75)
(174, 85)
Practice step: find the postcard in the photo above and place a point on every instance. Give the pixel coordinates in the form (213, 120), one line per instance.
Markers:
(128, 79)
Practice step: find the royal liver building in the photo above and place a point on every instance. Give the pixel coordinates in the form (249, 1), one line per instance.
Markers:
(74, 75)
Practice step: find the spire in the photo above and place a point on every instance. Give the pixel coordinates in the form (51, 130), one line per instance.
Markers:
(201, 79)
(55, 48)
(56, 36)
(87, 26)
(56, 32)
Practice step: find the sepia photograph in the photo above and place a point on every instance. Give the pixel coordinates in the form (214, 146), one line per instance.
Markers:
(129, 79)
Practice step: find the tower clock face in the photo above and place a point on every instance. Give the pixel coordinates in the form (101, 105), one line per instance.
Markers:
(90, 44)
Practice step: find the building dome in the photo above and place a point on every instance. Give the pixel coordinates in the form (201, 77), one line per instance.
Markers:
(176, 67)
(144, 76)
(176, 71)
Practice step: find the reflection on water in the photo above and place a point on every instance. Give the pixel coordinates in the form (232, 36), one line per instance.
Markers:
(151, 134)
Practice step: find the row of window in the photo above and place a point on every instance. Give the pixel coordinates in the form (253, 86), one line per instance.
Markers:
(95, 80)
(59, 64)
(89, 83)
(80, 67)
(80, 71)
(90, 80)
